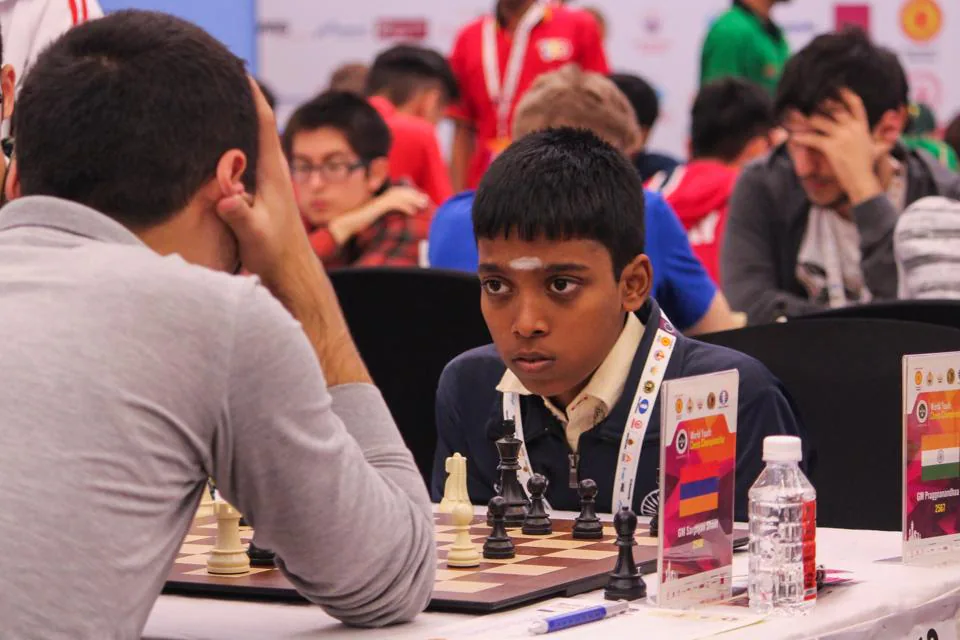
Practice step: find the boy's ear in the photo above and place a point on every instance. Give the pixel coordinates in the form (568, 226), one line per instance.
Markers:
(636, 283)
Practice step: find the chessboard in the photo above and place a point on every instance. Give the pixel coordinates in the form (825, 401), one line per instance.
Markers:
(545, 566)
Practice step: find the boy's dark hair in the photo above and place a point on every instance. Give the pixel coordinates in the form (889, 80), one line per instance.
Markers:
(727, 114)
(348, 113)
(400, 71)
(130, 115)
(643, 98)
(831, 62)
(563, 184)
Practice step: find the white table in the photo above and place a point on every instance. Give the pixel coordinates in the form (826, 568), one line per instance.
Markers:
(887, 602)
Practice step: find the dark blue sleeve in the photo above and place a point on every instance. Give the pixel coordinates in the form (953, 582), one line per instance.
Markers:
(450, 243)
(766, 409)
(687, 291)
(450, 438)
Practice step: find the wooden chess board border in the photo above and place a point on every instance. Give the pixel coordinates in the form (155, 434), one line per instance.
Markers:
(572, 576)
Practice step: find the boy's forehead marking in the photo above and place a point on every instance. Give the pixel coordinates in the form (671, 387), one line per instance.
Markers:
(526, 263)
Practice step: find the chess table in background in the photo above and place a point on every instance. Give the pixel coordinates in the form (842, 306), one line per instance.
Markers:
(545, 566)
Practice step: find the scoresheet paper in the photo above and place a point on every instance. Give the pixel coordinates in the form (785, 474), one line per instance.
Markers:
(931, 458)
(698, 456)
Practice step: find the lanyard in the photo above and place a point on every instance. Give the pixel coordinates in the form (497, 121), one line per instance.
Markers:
(635, 428)
(502, 92)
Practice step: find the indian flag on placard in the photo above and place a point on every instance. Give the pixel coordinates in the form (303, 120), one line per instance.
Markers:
(940, 456)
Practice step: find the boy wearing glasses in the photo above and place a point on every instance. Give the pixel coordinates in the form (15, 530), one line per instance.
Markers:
(337, 145)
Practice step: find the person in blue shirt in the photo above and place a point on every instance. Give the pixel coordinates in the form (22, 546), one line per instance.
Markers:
(566, 296)
(573, 97)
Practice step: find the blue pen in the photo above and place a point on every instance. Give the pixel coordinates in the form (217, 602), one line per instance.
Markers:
(581, 616)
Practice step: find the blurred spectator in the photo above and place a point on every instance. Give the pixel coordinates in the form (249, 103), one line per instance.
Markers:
(411, 87)
(920, 122)
(337, 145)
(951, 135)
(745, 43)
(643, 98)
(572, 97)
(811, 226)
(540, 37)
(350, 77)
(731, 124)
(927, 251)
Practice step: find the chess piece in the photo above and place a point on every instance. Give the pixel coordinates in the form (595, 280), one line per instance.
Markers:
(510, 488)
(462, 553)
(625, 582)
(498, 545)
(260, 557)
(228, 557)
(587, 525)
(455, 487)
(537, 522)
(206, 500)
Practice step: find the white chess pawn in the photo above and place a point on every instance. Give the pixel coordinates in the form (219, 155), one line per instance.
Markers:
(463, 553)
(228, 556)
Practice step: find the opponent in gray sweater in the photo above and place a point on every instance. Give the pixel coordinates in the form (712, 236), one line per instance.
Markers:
(130, 375)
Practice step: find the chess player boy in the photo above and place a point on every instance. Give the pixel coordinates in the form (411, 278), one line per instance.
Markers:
(566, 295)
(135, 365)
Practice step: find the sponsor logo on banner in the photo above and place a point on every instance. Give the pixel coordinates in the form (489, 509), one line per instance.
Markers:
(407, 29)
(922, 411)
(682, 441)
(851, 15)
(651, 40)
(711, 401)
(679, 406)
(643, 406)
(337, 29)
(951, 376)
(273, 27)
(918, 377)
(921, 20)
(724, 398)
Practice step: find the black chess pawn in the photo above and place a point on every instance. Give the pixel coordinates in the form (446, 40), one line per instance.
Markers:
(260, 557)
(587, 525)
(625, 581)
(498, 546)
(537, 522)
(510, 488)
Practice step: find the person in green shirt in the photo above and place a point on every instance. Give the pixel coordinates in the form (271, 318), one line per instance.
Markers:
(745, 43)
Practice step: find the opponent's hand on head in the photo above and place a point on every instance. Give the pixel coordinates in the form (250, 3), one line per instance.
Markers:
(268, 226)
(843, 136)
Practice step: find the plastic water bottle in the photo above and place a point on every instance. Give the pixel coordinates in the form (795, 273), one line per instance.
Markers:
(783, 531)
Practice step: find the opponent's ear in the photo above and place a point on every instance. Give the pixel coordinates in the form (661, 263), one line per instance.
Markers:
(636, 283)
(377, 173)
(891, 125)
(230, 170)
(8, 84)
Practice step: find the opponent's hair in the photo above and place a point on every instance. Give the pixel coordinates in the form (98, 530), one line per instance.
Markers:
(831, 62)
(401, 71)
(727, 114)
(365, 131)
(130, 115)
(571, 97)
(563, 184)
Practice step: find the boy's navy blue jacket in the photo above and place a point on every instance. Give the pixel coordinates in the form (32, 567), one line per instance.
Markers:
(469, 420)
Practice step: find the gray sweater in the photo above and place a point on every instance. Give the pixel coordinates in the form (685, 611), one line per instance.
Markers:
(768, 217)
(127, 379)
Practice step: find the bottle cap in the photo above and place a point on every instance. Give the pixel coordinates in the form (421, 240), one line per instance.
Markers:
(782, 449)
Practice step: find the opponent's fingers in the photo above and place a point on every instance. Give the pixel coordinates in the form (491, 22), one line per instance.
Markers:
(853, 104)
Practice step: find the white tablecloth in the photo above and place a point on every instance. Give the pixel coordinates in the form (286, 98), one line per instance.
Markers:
(887, 602)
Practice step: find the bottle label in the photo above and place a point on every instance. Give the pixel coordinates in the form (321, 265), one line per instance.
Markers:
(810, 550)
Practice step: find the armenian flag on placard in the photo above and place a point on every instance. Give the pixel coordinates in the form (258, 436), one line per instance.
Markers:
(940, 456)
(699, 489)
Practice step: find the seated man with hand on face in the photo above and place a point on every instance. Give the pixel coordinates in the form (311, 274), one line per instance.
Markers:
(811, 226)
(136, 366)
(573, 97)
(566, 295)
(338, 145)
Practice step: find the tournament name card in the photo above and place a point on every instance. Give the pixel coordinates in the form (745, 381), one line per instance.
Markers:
(931, 458)
(698, 454)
